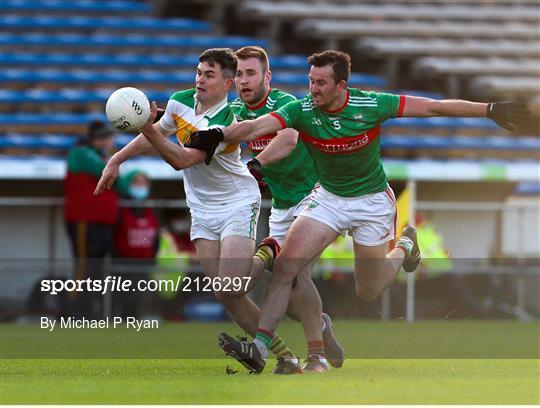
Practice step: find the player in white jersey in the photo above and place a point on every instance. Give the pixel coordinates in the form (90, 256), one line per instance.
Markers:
(223, 197)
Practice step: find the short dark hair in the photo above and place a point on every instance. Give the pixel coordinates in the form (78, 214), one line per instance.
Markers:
(99, 130)
(224, 57)
(340, 61)
(254, 51)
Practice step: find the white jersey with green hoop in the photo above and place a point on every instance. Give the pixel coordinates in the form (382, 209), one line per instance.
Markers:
(226, 180)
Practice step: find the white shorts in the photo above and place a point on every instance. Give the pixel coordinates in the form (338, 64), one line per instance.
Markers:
(281, 219)
(215, 225)
(370, 219)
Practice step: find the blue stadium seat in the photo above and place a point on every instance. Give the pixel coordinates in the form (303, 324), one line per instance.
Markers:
(32, 59)
(126, 41)
(44, 119)
(13, 21)
(81, 77)
(450, 123)
(462, 142)
(98, 6)
(503, 143)
(67, 118)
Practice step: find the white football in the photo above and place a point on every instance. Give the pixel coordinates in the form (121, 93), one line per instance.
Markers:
(127, 109)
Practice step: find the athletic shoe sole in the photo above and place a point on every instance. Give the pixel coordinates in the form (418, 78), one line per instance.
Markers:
(230, 346)
(332, 349)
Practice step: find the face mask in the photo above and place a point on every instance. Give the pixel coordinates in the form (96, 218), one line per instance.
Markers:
(139, 192)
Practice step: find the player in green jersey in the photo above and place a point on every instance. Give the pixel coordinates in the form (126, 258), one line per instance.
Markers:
(223, 198)
(341, 127)
(286, 167)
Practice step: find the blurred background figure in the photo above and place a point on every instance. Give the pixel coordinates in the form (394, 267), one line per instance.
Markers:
(136, 240)
(89, 219)
(175, 260)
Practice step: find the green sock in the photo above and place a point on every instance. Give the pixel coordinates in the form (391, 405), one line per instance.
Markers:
(279, 348)
(264, 337)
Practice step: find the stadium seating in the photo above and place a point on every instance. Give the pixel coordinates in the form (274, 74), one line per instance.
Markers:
(62, 59)
(352, 29)
(129, 59)
(289, 10)
(523, 70)
(72, 41)
(476, 145)
(400, 31)
(117, 23)
(412, 47)
(121, 7)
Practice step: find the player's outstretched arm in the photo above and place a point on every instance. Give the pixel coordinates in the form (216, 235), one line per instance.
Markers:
(251, 129)
(177, 156)
(280, 147)
(424, 107)
(208, 140)
(509, 115)
(136, 147)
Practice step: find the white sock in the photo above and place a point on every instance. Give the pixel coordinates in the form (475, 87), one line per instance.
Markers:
(261, 347)
(406, 244)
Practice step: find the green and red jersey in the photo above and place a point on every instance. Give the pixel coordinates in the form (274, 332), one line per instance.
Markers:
(84, 167)
(291, 178)
(345, 144)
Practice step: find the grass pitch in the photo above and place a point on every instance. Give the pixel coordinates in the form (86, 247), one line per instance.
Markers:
(392, 363)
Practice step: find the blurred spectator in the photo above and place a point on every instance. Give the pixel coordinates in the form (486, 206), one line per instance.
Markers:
(174, 261)
(89, 218)
(136, 240)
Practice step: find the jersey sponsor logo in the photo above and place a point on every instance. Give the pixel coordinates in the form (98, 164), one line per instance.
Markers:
(337, 145)
(259, 144)
(316, 121)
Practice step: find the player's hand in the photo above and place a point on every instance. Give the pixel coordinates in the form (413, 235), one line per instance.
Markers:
(255, 168)
(108, 177)
(509, 115)
(148, 126)
(207, 141)
(159, 114)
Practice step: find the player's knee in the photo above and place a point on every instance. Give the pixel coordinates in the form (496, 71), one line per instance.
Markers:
(284, 275)
(368, 293)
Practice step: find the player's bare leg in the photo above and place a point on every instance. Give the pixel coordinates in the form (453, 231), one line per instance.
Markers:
(375, 268)
(305, 304)
(305, 241)
(236, 261)
(244, 312)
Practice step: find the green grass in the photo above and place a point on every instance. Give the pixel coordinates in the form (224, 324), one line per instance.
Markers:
(379, 373)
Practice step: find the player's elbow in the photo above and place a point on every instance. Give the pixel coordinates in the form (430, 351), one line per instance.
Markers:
(177, 165)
